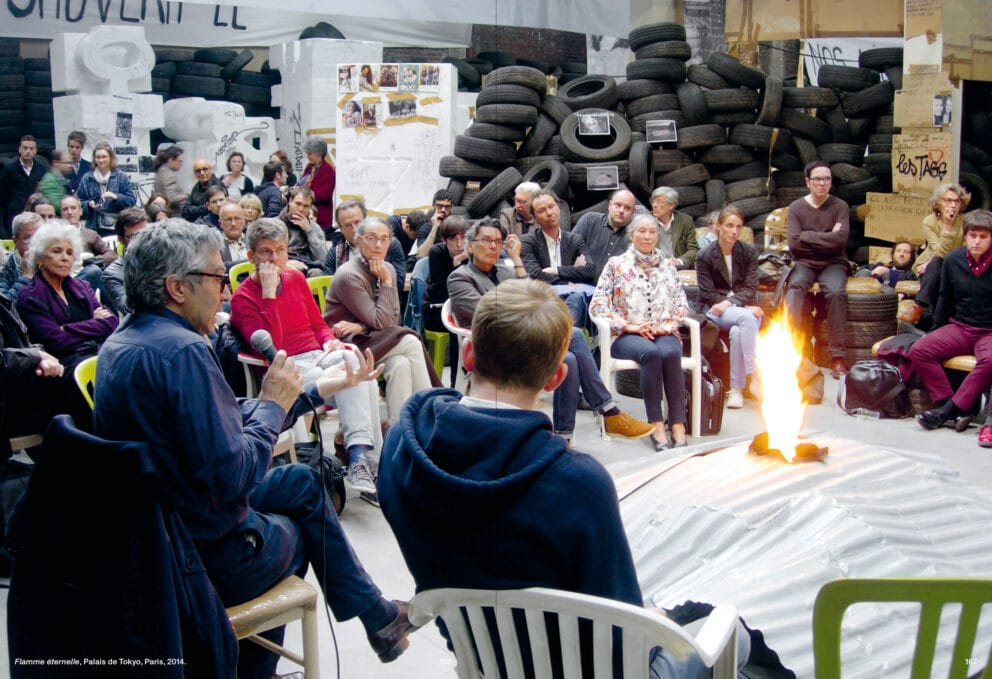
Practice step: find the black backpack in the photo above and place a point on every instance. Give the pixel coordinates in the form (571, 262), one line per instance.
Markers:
(873, 388)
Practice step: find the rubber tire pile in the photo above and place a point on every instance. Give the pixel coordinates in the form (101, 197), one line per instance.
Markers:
(216, 74)
(727, 115)
(975, 169)
(25, 99)
(470, 71)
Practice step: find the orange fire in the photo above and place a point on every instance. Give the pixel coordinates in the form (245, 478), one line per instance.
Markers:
(782, 406)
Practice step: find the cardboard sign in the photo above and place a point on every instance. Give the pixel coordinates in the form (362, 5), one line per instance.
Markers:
(914, 106)
(896, 216)
(923, 16)
(921, 161)
(748, 21)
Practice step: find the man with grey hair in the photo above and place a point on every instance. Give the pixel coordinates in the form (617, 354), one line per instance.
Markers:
(349, 214)
(276, 299)
(159, 382)
(363, 308)
(519, 219)
(96, 254)
(676, 230)
(605, 235)
(16, 273)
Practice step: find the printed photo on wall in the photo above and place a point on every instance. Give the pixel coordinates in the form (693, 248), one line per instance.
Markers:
(594, 124)
(602, 178)
(371, 114)
(346, 78)
(658, 131)
(367, 78)
(352, 116)
(941, 110)
(409, 77)
(403, 108)
(429, 76)
(388, 77)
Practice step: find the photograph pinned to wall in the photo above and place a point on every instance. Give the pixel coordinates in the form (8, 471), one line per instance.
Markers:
(372, 114)
(594, 123)
(660, 131)
(346, 78)
(429, 77)
(402, 108)
(388, 77)
(367, 78)
(124, 126)
(602, 178)
(941, 110)
(352, 116)
(409, 77)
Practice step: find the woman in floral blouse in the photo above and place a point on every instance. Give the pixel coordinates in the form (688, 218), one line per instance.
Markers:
(640, 295)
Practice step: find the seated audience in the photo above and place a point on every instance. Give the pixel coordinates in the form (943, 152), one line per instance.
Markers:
(215, 197)
(277, 299)
(96, 253)
(519, 219)
(442, 259)
(129, 223)
(232, 223)
(641, 297)
(61, 312)
(319, 177)
(677, 230)
(236, 181)
(363, 308)
(962, 325)
(38, 204)
(405, 228)
(520, 508)
(16, 272)
(307, 246)
(605, 235)
(727, 274)
(104, 190)
(899, 267)
(348, 215)
(442, 203)
(483, 272)
(252, 206)
(288, 176)
(196, 205)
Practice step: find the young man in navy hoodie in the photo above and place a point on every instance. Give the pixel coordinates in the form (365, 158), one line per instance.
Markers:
(479, 491)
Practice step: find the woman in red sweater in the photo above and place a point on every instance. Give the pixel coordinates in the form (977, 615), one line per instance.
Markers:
(319, 177)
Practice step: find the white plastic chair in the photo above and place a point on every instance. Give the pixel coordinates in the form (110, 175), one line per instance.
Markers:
(694, 362)
(463, 335)
(463, 613)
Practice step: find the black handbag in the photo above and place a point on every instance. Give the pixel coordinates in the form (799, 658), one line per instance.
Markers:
(873, 388)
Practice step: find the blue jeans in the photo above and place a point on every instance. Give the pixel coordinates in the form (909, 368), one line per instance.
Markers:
(661, 366)
(582, 373)
(742, 326)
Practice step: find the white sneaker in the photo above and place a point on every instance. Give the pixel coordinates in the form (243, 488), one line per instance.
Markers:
(360, 477)
(735, 399)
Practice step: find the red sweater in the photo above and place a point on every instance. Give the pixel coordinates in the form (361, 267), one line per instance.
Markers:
(322, 186)
(292, 317)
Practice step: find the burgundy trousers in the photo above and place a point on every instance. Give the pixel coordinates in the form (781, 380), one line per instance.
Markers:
(954, 339)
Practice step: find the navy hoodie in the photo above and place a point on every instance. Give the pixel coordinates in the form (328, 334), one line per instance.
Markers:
(489, 498)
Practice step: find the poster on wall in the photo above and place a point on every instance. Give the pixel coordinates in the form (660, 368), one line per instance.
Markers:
(396, 123)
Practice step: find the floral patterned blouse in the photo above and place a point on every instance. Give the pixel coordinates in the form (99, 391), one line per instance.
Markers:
(635, 288)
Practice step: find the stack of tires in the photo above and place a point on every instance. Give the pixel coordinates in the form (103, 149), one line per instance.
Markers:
(214, 73)
(12, 97)
(976, 144)
(471, 70)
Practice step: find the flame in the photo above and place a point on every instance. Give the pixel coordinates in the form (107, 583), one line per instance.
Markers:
(782, 406)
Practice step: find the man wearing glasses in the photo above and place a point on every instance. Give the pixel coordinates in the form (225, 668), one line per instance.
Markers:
(348, 215)
(129, 222)
(307, 245)
(817, 230)
(196, 205)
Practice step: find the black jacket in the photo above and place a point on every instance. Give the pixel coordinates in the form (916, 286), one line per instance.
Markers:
(714, 280)
(535, 255)
(15, 187)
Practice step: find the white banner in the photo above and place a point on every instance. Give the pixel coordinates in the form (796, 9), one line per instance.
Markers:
(840, 52)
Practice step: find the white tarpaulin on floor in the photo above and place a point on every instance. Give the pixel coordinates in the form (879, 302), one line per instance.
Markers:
(419, 23)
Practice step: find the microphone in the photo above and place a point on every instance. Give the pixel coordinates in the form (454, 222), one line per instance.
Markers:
(261, 341)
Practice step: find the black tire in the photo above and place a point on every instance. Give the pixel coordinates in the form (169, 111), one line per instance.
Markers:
(785, 195)
(577, 172)
(845, 173)
(695, 211)
(841, 153)
(550, 174)
(639, 123)
(879, 164)
(595, 148)
(539, 65)
(468, 76)
(555, 109)
(667, 49)
(11, 65)
(981, 198)
(726, 154)
(733, 71)
(846, 78)
(806, 125)
(655, 102)
(666, 160)
(507, 114)
(456, 168)
(760, 137)
(494, 132)
(234, 66)
(38, 95)
(684, 176)
(161, 85)
(256, 79)
(166, 69)
(716, 194)
(748, 171)
(629, 90)
(751, 207)
(248, 94)
(732, 99)
(886, 125)
(860, 127)
(457, 190)
(493, 192)
(538, 137)
(806, 150)
(869, 99)
(693, 104)
(690, 195)
(789, 179)
(668, 70)
(700, 136)
(485, 150)
(41, 129)
(880, 58)
(748, 188)
(13, 117)
(497, 59)
(872, 307)
(215, 55)
(200, 69)
(854, 194)
(975, 155)
(10, 47)
(508, 94)
(40, 112)
(771, 102)
(163, 54)
(11, 134)
(38, 78)
(553, 148)
(326, 30)
(786, 161)
(37, 64)
(809, 97)
(525, 165)
(519, 75)
(657, 32)
(734, 118)
(589, 91)
(573, 67)
(641, 170)
(704, 77)
(894, 75)
(195, 86)
(837, 121)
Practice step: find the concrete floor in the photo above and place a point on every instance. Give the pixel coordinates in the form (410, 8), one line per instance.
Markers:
(427, 656)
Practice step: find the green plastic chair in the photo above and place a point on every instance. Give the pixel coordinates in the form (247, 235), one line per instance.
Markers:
(239, 272)
(932, 593)
(437, 345)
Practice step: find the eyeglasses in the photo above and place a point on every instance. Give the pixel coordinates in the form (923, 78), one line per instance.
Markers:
(490, 242)
(220, 277)
(201, 170)
(442, 206)
(821, 180)
(372, 240)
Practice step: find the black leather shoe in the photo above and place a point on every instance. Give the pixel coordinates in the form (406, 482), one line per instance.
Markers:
(931, 419)
(390, 642)
(962, 422)
(660, 445)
